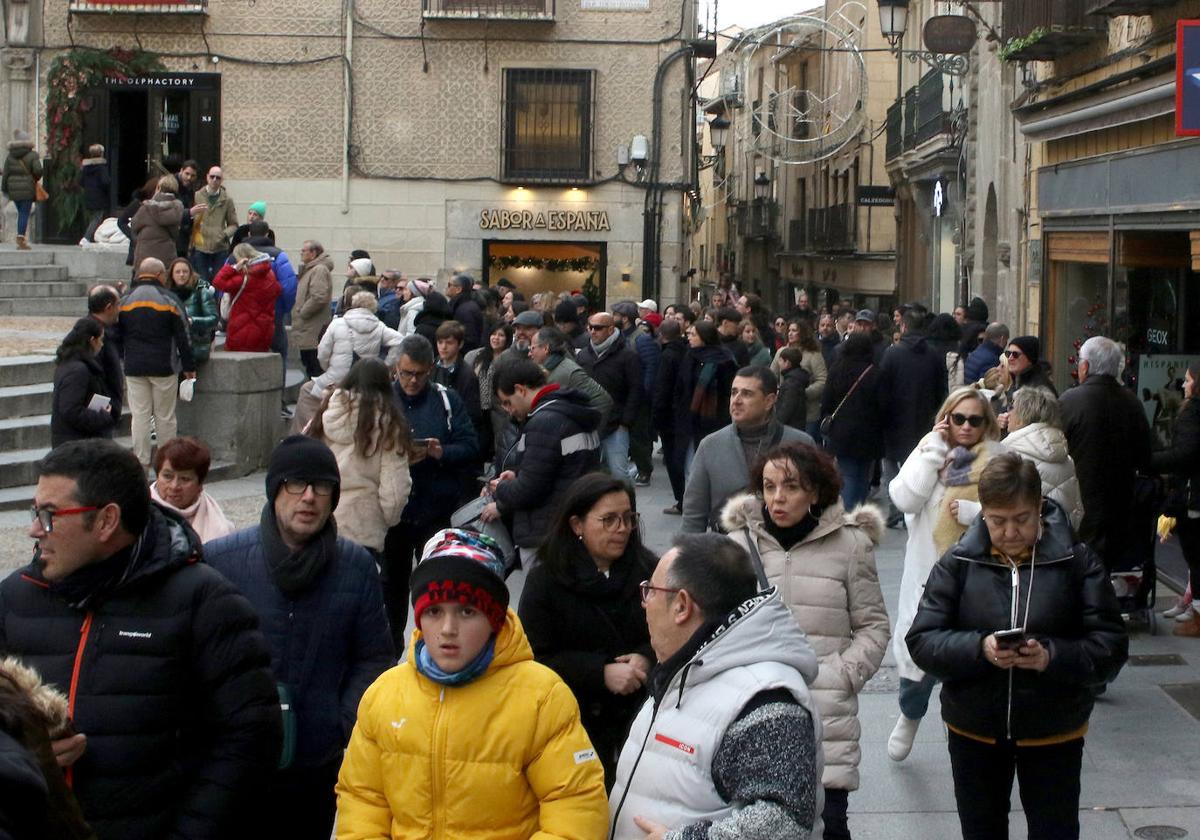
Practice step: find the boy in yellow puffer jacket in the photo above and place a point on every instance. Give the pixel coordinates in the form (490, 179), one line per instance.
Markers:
(469, 737)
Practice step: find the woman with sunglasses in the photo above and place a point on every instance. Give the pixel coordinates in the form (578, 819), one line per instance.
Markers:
(1023, 359)
(943, 470)
(581, 609)
(822, 559)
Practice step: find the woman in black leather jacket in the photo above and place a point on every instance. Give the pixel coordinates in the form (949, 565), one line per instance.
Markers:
(1021, 706)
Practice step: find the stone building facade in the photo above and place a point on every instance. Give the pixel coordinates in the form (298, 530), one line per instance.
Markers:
(393, 126)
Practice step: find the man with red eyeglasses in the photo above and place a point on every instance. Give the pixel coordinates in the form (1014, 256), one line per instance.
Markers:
(175, 712)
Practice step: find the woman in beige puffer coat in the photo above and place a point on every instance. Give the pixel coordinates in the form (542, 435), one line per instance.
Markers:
(827, 577)
(368, 434)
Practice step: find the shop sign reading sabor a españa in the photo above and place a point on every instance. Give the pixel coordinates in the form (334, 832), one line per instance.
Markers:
(556, 220)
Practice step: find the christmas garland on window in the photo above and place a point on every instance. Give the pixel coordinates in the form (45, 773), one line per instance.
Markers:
(578, 264)
(70, 76)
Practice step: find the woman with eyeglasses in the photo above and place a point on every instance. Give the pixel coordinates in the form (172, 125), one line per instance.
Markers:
(822, 559)
(368, 434)
(1021, 623)
(581, 608)
(180, 467)
(943, 470)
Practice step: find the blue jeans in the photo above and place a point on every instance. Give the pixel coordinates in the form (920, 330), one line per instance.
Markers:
(207, 265)
(856, 480)
(615, 448)
(24, 208)
(914, 696)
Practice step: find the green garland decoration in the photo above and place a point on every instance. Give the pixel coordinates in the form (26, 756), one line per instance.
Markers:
(592, 292)
(578, 264)
(71, 74)
(1015, 45)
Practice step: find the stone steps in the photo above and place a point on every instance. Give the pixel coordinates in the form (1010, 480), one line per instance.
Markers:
(56, 307)
(37, 273)
(34, 432)
(58, 289)
(19, 466)
(20, 497)
(26, 400)
(25, 370)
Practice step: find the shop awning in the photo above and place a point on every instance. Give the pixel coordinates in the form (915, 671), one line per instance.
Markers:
(1135, 102)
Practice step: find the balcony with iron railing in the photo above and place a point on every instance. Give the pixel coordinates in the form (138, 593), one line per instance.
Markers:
(832, 228)
(530, 10)
(758, 219)
(1043, 30)
(933, 107)
(895, 130)
(797, 235)
(910, 118)
(140, 7)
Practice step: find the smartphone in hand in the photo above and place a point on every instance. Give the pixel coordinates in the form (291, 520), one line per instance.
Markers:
(1010, 639)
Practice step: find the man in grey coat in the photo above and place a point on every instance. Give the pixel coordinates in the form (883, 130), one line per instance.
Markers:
(551, 349)
(721, 465)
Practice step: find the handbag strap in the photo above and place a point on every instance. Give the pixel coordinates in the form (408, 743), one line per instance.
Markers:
(242, 288)
(763, 583)
(851, 391)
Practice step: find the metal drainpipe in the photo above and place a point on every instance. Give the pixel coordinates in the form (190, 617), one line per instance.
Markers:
(347, 83)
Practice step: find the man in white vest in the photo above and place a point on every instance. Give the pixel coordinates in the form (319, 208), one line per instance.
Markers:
(728, 743)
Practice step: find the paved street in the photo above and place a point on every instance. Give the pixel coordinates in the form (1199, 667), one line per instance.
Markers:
(1141, 765)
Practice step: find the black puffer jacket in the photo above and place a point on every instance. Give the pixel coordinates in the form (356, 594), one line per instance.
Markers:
(665, 408)
(467, 312)
(618, 371)
(76, 381)
(169, 679)
(1073, 612)
(578, 621)
(558, 443)
(1182, 459)
(912, 385)
(435, 313)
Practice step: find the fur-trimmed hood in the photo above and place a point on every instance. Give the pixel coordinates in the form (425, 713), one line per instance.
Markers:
(50, 704)
(93, 162)
(746, 509)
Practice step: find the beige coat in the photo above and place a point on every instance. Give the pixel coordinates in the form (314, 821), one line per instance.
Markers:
(829, 583)
(813, 362)
(311, 312)
(375, 489)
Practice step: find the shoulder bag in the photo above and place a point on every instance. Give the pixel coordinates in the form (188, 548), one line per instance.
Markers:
(39, 192)
(756, 559)
(827, 423)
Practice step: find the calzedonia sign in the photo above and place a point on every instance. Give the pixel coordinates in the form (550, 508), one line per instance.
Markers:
(556, 220)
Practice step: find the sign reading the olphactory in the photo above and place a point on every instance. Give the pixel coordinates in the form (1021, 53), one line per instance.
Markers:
(1187, 77)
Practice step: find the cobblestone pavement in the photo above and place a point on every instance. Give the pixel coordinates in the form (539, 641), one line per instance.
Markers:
(25, 334)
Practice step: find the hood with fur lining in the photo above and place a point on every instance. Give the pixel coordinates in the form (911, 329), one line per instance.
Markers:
(746, 510)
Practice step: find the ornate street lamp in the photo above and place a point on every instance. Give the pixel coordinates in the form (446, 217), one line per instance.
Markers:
(893, 20)
(762, 186)
(718, 131)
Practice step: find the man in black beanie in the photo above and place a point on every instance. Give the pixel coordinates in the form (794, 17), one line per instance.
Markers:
(320, 606)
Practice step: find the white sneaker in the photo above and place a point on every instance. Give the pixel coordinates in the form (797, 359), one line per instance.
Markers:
(1188, 613)
(1179, 609)
(901, 740)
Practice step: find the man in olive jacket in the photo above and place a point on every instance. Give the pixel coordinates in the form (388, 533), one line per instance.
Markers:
(214, 221)
(311, 313)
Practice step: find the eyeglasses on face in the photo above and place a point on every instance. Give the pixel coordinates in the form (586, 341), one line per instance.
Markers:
(1013, 354)
(46, 515)
(975, 420)
(412, 374)
(297, 486)
(613, 521)
(647, 589)
(214, 177)
(595, 327)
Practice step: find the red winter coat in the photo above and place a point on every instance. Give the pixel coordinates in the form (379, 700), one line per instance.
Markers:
(252, 319)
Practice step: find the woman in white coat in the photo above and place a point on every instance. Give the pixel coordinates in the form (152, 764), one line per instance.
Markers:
(933, 488)
(358, 334)
(822, 559)
(1035, 433)
(368, 434)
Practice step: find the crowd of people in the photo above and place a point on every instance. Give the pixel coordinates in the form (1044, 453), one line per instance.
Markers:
(262, 681)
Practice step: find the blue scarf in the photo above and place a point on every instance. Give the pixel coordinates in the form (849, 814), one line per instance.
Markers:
(430, 669)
